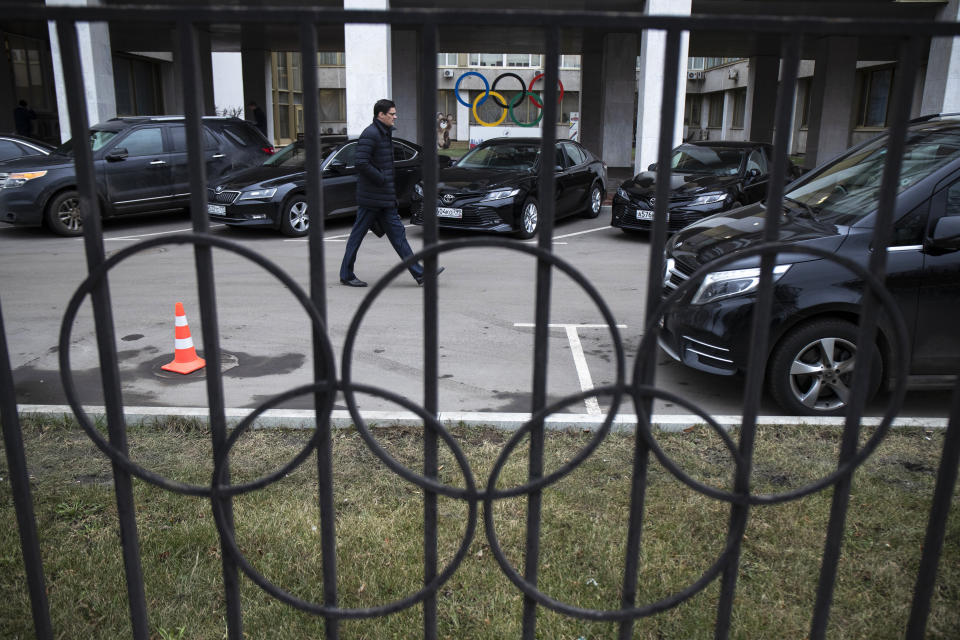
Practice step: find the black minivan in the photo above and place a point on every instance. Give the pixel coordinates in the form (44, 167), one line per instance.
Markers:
(140, 164)
(813, 329)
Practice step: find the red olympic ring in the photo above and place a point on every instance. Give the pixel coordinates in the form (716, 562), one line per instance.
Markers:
(533, 98)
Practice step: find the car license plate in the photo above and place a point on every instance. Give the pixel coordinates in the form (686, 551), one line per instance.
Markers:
(644, 214)
(216, 208)
(447, 212)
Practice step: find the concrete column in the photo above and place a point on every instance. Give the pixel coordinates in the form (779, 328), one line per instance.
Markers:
(173, 81)
(618, 86)
(257, 72)
(650, 90)
(761, 98)
(8, 99)
(369, 66)
(831, 105)
(206, 72)
(406, 90)
(727, 115)
(96, 59)
(591, 93)
(463, 122)
(941, 89)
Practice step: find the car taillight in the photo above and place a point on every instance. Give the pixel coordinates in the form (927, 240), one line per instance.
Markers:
(269, 150)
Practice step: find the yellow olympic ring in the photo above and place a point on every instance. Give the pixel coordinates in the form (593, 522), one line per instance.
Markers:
(489, 124)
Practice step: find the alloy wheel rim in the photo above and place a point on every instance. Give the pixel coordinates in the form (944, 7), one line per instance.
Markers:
(821, 373)
(299, 219)
(595, 200)
(69, 214)
(530, 217)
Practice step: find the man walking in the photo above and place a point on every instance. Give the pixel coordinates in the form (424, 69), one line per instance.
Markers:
(376, 194)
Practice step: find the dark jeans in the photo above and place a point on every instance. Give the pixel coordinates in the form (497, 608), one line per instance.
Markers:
(393, 228)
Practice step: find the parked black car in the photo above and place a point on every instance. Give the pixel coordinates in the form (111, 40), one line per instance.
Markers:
(13, 146)
(813, 329)
(140, 165)
(494, 187)
(706, 178)
(274, 195)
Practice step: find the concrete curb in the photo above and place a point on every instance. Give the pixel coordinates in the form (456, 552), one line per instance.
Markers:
(304, 419)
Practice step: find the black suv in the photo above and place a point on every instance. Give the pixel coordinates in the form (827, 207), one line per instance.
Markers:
(813, 327)
(140, 163)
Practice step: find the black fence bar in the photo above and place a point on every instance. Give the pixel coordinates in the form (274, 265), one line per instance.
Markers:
(203, 257)
(431, 329)
(22, 499)
(103, 317)
(902, 91)
(318, 295)
(541, 349)
(937, 524)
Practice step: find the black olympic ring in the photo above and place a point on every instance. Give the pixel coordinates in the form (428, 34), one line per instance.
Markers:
(99, 273)
(845, 468)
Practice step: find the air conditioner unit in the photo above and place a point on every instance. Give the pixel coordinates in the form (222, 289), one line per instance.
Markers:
(694, 75)
(448, 73)
(734, 74)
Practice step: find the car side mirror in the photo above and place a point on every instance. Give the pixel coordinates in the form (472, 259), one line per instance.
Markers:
(336, 167)
(754, 173)
(652, 167)
(444, 161)
(120, 153)
(946, 233)
(558, 168)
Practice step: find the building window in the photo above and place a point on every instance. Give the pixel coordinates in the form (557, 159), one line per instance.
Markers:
(695, 64)
(136, 83)
(739, 108)
(715, 107)
(333, 108)
(486, 59)
(710, 63)
(330, 59)
(875, 97)
(447, 60)
(691, 110)
(287, 96)
(447, 102)
(569, 62)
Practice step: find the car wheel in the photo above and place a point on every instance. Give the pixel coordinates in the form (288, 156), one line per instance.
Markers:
(63, 214)
(529, 218)
(811, 370)
(294, 219)
(596, 201)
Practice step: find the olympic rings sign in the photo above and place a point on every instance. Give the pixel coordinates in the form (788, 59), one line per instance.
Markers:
(491, 91)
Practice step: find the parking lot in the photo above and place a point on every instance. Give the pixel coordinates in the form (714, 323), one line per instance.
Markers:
(485, 322)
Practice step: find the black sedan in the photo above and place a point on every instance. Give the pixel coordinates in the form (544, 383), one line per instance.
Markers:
(494, 187)
(706, 178)
(274, 195)
(14, 146)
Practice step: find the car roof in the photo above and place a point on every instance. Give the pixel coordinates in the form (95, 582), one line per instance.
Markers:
(735, 144)
(27, 140)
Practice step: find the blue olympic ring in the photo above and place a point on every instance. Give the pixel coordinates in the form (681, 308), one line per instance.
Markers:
(456, 88)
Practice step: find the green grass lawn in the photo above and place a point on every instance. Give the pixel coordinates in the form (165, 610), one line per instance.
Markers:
(379, 526)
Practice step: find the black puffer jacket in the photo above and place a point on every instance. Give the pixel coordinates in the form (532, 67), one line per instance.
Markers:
(374, 161)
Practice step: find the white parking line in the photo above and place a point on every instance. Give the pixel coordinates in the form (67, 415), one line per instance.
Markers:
(580, 233)
(579, 359)
(158, 233)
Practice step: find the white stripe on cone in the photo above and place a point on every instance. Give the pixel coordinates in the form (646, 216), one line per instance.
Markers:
(183, 343)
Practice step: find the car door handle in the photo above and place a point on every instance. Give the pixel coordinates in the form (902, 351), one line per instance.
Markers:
(158, 162)
(217, 155)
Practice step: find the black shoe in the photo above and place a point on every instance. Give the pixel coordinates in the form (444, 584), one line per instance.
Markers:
(420, 279)
(353, 282)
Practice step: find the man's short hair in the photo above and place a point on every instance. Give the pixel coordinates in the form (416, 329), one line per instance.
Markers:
(23, 103)
(383, 106)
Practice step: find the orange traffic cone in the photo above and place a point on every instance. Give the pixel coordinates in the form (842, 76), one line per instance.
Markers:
(185, 358)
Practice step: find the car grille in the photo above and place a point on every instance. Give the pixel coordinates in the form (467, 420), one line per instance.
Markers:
(676, 274)
(677, 220)
(223, 197)
(472, 217)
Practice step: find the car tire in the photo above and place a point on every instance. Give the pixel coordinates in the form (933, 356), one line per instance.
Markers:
(63, 214)
(294, 219)
(807, 372)
(529, 219)
(595, 201)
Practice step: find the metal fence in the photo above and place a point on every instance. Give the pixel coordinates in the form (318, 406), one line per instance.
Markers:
(637, 389)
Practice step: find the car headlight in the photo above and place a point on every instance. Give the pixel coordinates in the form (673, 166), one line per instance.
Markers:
(710, 198)
(20, 179)
(258, 194)
(726, 284)
(500, 194)
(623, 193)
(418, 189)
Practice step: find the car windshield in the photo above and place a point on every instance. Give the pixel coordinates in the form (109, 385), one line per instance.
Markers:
(515, 157)
(294, 155)
(714, 161)
(849, 189)
(97, 140)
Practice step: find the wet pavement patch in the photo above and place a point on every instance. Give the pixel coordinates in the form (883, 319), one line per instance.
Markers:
(132, 337)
